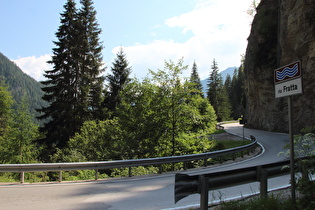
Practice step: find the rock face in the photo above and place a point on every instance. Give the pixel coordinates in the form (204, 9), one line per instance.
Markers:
(283, 31)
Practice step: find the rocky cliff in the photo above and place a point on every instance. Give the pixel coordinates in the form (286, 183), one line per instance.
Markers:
(283, 31)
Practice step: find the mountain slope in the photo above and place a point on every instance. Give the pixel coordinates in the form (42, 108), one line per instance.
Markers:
(21, 84)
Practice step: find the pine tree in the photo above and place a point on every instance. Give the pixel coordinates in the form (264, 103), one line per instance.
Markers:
(61, 88)
(117, 80)
(74, 86)
(196, 85)
(237, 95)
(90, 61)
(215, 81)
(217, 94)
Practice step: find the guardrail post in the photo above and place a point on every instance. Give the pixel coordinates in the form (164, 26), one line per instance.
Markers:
(60, 176)
(185, 165)
(129, 172)
(160, 169)
(204, 192)
(96, 174)
(22, 177)
(205, 163)
(262, 176)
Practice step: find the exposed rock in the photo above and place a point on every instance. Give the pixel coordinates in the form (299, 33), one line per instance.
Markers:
(283, 31)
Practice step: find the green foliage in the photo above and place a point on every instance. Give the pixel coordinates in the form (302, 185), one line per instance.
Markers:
(194, 144)
(7, 177)
(81, 175)
(136, 171)
(304, 145)
(23, 135)
(155, 118)
(97, 141)
(17, 131)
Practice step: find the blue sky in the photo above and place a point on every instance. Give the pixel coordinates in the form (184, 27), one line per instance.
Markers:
(150, 32)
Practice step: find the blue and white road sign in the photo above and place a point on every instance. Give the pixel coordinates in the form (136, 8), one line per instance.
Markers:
(288, 80)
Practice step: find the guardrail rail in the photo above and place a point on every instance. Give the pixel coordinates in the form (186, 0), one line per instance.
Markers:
(186, 185)
(22, 168)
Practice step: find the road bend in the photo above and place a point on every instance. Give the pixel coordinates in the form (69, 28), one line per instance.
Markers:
(147, 192)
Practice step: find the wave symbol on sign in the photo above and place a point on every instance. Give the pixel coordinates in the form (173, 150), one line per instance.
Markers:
(287, 72)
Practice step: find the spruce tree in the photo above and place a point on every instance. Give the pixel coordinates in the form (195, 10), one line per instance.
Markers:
(60, 88)
(215, 81)
(196, 85)
(117, 80)
(217, 94)
(90, 66)
(74, 86)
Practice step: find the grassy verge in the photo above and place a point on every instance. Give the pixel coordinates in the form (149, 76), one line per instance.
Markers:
(274, 202)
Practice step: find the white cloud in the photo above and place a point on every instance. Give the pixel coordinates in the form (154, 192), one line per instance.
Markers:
(34, 66)
(220, 29)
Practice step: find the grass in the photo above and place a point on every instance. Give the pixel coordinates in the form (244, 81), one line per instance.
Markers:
(273, 202)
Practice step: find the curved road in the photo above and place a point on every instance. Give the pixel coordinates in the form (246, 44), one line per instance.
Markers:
(149, 192)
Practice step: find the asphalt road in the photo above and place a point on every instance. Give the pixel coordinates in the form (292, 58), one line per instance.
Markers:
(150, 192)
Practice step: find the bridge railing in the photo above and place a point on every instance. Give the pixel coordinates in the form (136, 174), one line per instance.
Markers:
(22, 168)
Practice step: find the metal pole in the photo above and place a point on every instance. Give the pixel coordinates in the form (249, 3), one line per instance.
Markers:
(204, 192)
(243, 132)
(22, 177)
(291, 150)
(60, 176)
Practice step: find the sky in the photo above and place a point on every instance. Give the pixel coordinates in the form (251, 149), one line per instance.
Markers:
(149, 31)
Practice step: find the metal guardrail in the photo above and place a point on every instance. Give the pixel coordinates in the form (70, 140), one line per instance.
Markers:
(120, 163)
(186, 185)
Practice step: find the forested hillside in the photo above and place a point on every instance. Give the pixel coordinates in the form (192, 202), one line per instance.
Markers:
(20, 84)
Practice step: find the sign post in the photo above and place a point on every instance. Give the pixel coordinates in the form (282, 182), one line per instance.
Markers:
(288, 82)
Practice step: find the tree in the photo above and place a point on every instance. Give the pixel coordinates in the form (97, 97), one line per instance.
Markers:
(141, 116)
(62, 85)
(236, 92)
(23, 134)
(217, 94)
(17, 131)
(171, 91)
(196, 86)
(90, 66)
(117, 80)
(73, 88)
(214, 84)
(224, 108)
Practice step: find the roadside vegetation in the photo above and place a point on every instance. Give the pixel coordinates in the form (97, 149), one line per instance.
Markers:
(92, 116)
